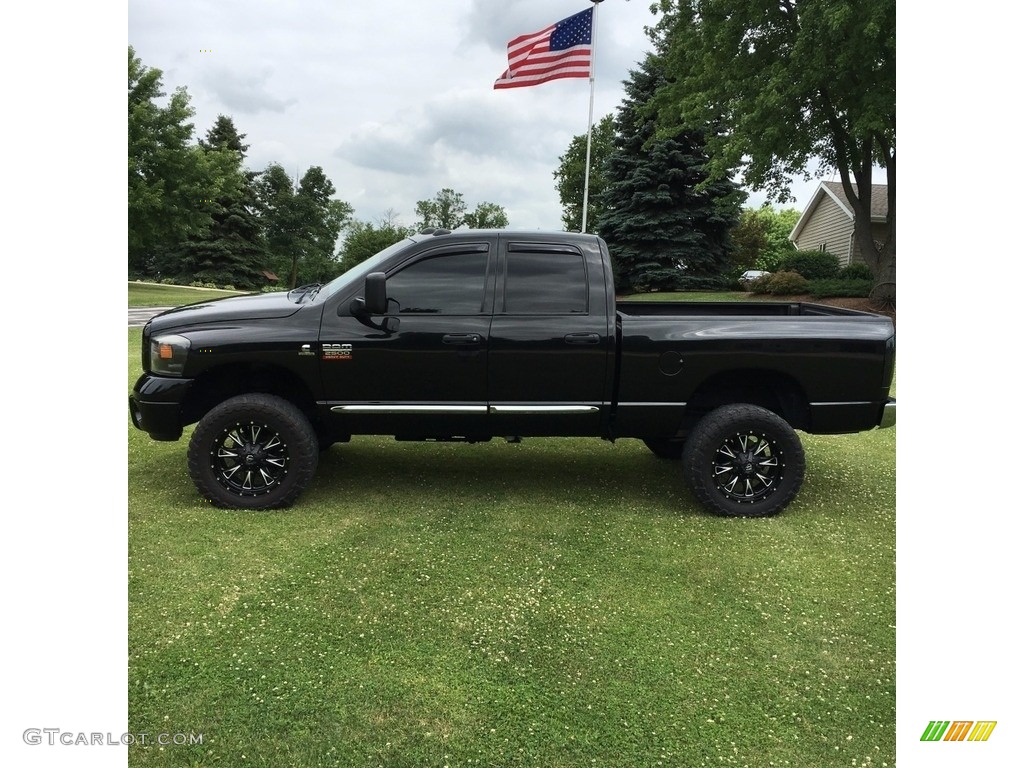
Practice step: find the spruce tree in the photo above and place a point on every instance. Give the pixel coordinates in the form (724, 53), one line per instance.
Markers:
(667, 227)
(232, 251)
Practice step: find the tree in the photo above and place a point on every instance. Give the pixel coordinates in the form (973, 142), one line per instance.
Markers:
(323, 218)
(169, 178)
(447, 210)
(569, 177)
(364, 239)
(780, 224)
(486, 216)
(792, 84)
(749, 238)
(761, 237)
(279, 218)
(301, 225)
(233, 250)
(224, 136)
(666, 222)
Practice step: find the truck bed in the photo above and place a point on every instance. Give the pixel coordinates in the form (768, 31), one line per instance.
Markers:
(675, 356)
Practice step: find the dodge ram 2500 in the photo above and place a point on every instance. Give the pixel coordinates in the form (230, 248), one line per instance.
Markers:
(470, 335)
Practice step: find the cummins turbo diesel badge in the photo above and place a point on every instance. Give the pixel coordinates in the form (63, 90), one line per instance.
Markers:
(336, 352)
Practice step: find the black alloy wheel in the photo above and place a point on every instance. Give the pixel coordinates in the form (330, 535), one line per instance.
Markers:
(744, 461)
(253, 452)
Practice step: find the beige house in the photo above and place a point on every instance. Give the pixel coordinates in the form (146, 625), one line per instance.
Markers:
(827, 222)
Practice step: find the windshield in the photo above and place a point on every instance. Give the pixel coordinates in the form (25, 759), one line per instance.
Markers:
(361, 270)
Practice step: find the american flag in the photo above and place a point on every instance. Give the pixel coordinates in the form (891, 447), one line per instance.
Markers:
(561, 50)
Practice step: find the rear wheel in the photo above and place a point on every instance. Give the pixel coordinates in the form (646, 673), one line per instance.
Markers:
(254, 451)
(744, 461)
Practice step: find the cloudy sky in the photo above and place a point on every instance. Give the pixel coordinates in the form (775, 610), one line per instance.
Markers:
(393, 99)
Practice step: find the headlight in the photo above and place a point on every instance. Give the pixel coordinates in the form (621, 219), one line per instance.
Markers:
(167, 354)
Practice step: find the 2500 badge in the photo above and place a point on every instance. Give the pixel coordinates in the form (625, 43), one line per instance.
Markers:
(336, 352)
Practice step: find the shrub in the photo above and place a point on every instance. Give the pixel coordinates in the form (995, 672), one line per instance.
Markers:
(167, 281)
(772, 262)
(783, 284)
(814, 265)
(836, 288)
(229, 287)
(195, 284)
(760, 285)
(856, 272)
(693, 283)
(209, 285)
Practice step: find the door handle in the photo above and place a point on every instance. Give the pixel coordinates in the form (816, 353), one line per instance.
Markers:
(582, 338)
(461, 339)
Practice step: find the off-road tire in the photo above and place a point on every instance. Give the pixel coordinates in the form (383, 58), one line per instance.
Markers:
(743, 461)
(254, 451)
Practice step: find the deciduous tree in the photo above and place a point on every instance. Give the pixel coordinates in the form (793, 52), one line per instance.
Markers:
(446, 210)
(169, 177)
(301, 225)
(363, 239)
(323, 219)
(794, 85)
(761, 237)
(569, 177)
(486, 216)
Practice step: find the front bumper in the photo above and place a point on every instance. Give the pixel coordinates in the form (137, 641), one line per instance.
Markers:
(155, 405)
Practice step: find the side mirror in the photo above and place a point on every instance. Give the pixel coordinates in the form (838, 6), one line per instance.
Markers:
(376, 293)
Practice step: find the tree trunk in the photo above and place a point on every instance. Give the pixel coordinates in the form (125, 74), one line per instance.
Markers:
(880, 257)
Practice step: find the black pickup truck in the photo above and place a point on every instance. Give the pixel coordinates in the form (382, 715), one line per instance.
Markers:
(470, 335)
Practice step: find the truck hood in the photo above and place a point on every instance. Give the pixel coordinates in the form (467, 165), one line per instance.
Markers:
(255, 307)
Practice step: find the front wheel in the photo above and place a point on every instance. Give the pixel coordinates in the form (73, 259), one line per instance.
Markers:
(254, 451)
(744, 461)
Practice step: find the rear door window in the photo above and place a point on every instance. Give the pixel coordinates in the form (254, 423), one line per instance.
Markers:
(539, 282)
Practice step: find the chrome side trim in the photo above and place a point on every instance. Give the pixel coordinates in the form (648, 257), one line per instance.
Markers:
(851, 402)
(676, 404)
(457, 408)
(364, 408)
(888, 415)
(544, 409)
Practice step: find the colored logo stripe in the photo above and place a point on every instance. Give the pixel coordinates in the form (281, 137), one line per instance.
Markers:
(958, 730)
(982, 730)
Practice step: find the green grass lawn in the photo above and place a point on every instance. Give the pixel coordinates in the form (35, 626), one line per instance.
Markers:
(153, 295)
(561, 602)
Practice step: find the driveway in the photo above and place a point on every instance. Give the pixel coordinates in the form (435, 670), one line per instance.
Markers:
(137, 316)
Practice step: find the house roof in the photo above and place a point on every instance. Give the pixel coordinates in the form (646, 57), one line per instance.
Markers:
(834, 190)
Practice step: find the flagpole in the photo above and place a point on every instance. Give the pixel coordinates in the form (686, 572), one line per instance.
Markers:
(590, 116)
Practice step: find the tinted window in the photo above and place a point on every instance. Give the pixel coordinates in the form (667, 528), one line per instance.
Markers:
(451, 284)
(545, 284)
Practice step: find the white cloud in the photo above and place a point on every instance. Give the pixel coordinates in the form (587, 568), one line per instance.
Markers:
(391, 148)
(243, 92)
(394, 100)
